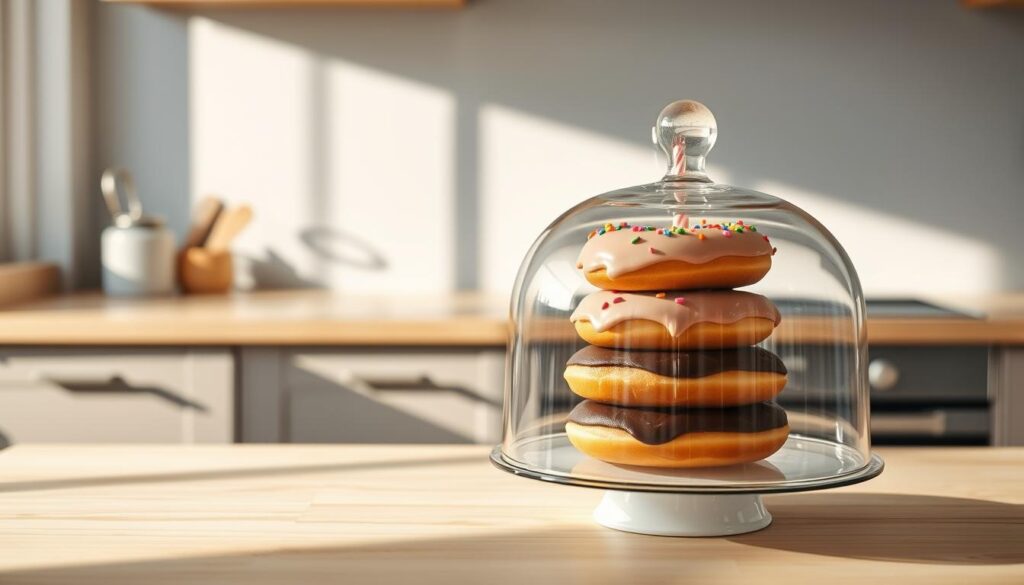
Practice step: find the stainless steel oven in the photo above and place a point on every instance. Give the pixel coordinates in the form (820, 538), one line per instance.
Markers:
(920, 395)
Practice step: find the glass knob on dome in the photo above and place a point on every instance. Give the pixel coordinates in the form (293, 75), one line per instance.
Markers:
(686, 132)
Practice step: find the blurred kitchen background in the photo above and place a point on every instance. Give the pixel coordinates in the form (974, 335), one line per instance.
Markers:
(416, 152)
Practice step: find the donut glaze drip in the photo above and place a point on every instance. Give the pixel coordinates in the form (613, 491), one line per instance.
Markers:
(656, 426)
(682, 364)
(605, 309)
(616, 252)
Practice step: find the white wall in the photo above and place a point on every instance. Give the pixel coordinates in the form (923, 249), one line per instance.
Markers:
(420, 151)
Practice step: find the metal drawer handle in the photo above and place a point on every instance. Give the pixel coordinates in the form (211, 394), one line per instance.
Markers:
(118, 384)
(422, 383)
(932, 423)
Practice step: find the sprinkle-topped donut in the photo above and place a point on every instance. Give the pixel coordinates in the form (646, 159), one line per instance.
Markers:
(675, 319)
(641, 257)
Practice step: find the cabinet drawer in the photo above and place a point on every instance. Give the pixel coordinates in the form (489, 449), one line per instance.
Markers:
(116, 396)
(393, 396)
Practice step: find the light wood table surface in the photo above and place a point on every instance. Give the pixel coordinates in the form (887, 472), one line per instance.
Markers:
(316, 317)
(441, 514)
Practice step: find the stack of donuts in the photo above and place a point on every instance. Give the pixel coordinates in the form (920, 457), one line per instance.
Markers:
(672, 377)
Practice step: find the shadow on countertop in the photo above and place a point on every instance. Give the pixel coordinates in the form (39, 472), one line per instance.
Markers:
(894, 527)
(916, 530)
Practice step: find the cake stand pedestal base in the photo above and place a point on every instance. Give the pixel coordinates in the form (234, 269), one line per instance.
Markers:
(682, 514)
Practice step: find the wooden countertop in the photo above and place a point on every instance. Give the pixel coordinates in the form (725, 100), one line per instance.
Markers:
(299, 317)
(310, 317)
(441, 514)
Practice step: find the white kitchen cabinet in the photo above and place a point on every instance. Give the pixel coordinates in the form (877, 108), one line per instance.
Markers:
(116, 395)
(387, 395)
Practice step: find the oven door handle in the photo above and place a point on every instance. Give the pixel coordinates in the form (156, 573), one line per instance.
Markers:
(928, 423)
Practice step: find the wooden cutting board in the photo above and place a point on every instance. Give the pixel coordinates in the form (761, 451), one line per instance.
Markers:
(27, 281)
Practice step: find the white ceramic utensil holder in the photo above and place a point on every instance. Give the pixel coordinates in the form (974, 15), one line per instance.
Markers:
(138, 260)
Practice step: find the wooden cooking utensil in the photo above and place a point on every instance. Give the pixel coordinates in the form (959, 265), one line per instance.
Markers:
(203, 271)
(228, 226)
(208, 268)
(203, 219)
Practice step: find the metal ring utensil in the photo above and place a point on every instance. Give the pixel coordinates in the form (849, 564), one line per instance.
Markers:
(112, 195)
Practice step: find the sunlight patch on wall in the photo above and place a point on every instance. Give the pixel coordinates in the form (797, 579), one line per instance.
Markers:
(897, 256)
(250, 120)
(532, 170)
(350, 170)
(391, 179)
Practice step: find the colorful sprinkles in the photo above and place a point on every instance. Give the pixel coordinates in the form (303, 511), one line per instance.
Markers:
(727, 229)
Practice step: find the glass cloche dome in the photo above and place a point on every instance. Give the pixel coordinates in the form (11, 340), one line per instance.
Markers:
(687, 346)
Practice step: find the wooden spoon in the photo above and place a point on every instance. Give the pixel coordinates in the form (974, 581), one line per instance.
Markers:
(203, 219)
(228, 226)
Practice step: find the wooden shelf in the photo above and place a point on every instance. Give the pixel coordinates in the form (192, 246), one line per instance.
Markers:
(993, 3)
(295, 3)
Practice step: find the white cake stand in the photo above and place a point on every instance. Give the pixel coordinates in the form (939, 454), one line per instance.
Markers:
(682, 514)
(691, 502)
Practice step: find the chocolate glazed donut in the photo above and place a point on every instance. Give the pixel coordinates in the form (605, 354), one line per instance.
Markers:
(726, 377)
(688, 437)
